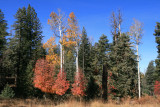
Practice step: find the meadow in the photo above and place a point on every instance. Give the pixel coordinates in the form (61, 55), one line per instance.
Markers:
(146, 101)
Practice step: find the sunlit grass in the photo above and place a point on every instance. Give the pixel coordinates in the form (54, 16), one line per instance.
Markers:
(143, 102)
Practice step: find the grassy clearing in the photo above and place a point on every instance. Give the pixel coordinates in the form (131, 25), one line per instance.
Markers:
(143, 102)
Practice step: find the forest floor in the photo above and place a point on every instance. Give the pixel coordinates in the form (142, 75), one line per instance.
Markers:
(143, 102)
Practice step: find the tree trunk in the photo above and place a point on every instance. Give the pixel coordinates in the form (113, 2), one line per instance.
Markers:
(139, 85)
(77, 59)
(61, 62)
(83, 58)
(63, 57)
(104, 83)
(119, 27)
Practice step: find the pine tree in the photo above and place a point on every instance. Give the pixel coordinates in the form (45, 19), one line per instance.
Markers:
(157, 61)
(69, 63)
(123, 68)
(84, 53)
(92, 90)
(103, 48)
(99, 59)
(17, 48)
(25, 46)
(99, 54)
(3, 34)
(94, 60)
(7, 92)
(149, 77)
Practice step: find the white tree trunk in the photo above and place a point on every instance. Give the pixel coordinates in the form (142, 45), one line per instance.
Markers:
(76, 58)
(139, 83)
(119, 27)
(61, 63)
(62, 56)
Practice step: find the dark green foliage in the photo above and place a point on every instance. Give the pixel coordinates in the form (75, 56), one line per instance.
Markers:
(157, 61)
(7, 92)
(84, 53)
(123, 68)
(105, 82)
(150, 78)
(3, 43)
(24, 49)
(27, 80)
(102, 51)
(99, 56)
(94, 60)
(3, 33)
(93, 90)
(69, 64)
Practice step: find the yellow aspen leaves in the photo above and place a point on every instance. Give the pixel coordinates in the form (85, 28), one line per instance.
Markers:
(50, 46)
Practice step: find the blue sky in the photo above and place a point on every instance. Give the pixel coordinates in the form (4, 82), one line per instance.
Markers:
(94, 16)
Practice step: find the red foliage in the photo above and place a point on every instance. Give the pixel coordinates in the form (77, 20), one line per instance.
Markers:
(78, 87)
(111, 87)
(43, 76)
(61, 84)
(157, 88)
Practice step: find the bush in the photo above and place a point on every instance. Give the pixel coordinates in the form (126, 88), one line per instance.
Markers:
(7, 92)
(157, 88)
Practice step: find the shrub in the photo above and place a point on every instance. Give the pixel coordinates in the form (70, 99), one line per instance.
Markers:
(79, 85)
(157, 88)
(61, 84)
(44, 76)
(7, 92)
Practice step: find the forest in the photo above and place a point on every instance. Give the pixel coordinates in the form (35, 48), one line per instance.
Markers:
(69, 65)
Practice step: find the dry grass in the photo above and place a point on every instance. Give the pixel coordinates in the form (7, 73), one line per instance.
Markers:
(143, 102)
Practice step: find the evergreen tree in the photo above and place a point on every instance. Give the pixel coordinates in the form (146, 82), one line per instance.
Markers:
(92, 90)
(94, 60)
(123, 68)
(3, 34)
(69, 63)
(7, 92)
(99, 57)
(103, 48)
(149, 77)
(25, 47)
(84, 53)
(157, 61)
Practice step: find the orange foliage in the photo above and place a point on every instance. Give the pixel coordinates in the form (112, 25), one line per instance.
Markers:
(43, 76)
(53, 22)
(61, 84)
(50, 45)
(78, 87)
(72, 36)
(52, 57)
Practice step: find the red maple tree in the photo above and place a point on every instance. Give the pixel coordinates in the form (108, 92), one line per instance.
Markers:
(78, 87)
(61, 84)
(43, 76)
(157, 88)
